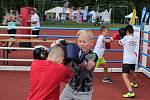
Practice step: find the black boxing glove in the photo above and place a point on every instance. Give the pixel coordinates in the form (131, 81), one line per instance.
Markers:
(40, 52)
(74, 53)
(122, 32)
(59, 42)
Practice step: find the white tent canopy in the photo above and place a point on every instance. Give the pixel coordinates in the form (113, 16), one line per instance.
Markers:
(130, 16)
(105, 15)
(57, 10)
(75, 12)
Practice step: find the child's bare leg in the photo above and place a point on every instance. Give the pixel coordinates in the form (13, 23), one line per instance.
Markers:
(106, 76)
(105, 69)
(127, 82)
(128, 85)
(98, 63)
(134, 76)
(11, 42)
(134, 79)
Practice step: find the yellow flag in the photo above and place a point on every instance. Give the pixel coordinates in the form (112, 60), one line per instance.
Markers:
(132, 20)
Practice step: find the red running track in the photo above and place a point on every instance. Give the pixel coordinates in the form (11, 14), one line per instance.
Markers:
(14, 86)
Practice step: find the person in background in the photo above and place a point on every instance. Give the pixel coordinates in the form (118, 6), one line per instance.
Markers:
(10, 21)
(35, 21)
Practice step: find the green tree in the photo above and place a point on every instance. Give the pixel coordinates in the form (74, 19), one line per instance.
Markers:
(100, 5)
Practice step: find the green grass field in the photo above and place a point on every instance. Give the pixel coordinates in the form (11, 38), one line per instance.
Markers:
(78, 25)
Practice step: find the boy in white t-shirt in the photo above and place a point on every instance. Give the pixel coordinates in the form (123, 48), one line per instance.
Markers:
(129, 43)
(99, 50)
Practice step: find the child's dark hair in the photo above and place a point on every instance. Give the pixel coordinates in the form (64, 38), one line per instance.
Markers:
(129, 28)
(103, 28)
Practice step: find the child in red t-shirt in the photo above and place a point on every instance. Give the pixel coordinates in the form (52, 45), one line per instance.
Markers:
(46, 76)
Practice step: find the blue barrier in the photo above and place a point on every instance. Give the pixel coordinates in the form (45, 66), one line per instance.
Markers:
(145, 32)
(114, 61)
(57, 28)
(59, 36)
(145, 54)
(145, 67)
(114, 50)
(146, 40)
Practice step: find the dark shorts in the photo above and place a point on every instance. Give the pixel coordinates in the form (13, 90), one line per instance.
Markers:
(127, 68)
(35, 32)
(12, 31)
